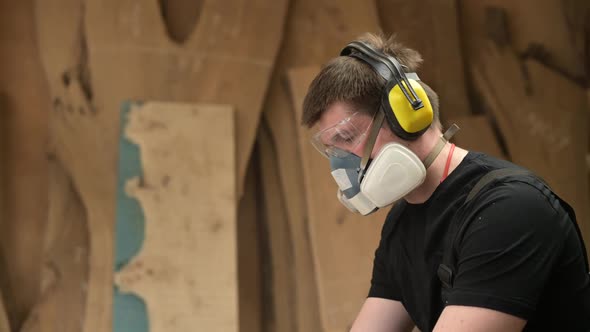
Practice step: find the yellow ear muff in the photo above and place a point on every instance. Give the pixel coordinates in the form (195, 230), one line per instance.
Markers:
(410, 120)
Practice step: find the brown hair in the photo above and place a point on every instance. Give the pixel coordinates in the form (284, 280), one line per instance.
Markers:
(355, 82)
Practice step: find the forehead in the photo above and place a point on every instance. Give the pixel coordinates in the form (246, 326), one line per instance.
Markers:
(336, 112)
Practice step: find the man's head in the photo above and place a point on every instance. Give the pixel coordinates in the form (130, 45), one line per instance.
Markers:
(347, 86)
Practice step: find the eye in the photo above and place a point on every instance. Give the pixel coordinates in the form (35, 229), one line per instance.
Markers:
(343, 137)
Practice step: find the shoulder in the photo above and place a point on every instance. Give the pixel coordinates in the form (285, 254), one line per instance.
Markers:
(514, 212)
(472, 168)
(516, 198)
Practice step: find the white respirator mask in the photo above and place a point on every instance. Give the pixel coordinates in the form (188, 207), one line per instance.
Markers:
(366, 185)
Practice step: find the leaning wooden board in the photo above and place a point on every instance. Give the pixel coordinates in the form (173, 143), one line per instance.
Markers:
(282, 283)
(343, 243)
(186, 271)
(524, 23)
(543, 118)
(24, 104)
(431, 27)
(97, 55)
(315, 31)
(250, 280)
(227, 58)
(4, 325)
(65, 261)
(75, 132)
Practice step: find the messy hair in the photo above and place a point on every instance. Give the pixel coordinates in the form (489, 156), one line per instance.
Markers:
(349, 80)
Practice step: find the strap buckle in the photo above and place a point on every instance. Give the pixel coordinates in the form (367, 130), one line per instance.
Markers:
(445, 274)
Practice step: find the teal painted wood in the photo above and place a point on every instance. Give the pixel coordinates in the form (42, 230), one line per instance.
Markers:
(129, 311)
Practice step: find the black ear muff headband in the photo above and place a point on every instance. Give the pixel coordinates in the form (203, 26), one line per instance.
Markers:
(387, 67)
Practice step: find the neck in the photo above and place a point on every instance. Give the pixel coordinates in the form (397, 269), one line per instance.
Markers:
(435, 172)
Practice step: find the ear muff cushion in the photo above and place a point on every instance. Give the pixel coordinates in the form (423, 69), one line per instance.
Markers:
(406, 122)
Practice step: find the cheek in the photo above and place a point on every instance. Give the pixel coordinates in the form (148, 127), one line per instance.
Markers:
(385, 137)
(377, 148)
(382, 139)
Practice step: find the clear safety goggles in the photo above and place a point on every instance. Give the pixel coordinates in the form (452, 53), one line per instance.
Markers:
(343, 137)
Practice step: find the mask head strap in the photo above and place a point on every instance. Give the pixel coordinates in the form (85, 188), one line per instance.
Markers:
(378, 121)
(440, 145)
(375, 126)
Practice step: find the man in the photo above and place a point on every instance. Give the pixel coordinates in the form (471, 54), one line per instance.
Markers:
(459, 250)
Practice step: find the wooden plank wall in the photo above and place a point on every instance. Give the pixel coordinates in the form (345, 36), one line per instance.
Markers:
(97, 55)
(4, 323)
(282, 283)
(517, 85)
(24, 106)
(250, 251)
(432, 28)
(65, 264)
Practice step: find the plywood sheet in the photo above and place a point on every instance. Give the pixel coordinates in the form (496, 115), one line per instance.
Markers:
(97, 54)
(432, 28)
(476, 134)
(543, 118)
(129, 311)
(315, 31)
(343, 243)
(24, 102)
(186, 271)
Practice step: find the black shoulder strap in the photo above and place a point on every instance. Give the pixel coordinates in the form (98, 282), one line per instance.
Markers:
(491, 176)
(447, 268)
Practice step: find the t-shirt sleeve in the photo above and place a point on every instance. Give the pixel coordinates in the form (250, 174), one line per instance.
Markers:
(381, 285)
(508, 250)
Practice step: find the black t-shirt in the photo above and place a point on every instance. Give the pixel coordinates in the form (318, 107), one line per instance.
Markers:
(518, 255)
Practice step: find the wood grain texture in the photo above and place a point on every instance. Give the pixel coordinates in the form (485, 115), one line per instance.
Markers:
(343, 243)
(250, 280)
(315, 31)
(65, 261)
(78, 144)
(282, 284)
(3, 153)
(186, 271)
(227, 58)
(100, 54)
(180, 17)
(4, 323)
(24, 104)
(476, 134)
(432, 28)
(527, 24)
(543, 117)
